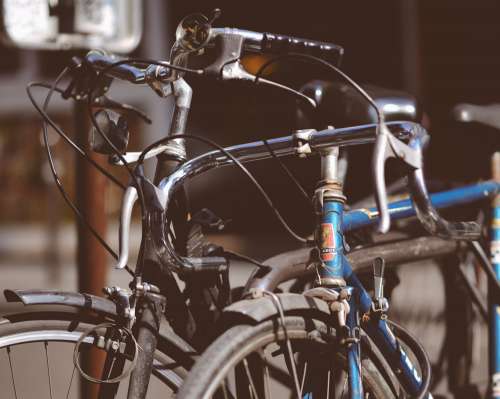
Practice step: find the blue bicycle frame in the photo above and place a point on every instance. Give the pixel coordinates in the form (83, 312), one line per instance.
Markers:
(334, 222)
(335, 270)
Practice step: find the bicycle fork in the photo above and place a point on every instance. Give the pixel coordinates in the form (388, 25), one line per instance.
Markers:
(150, 308)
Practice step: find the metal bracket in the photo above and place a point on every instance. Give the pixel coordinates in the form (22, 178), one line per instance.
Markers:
(173, 148)
(235, 70)
(124, 304)
(301, 139)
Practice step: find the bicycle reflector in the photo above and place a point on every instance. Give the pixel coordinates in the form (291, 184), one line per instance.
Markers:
(114, 127)
(111, 25)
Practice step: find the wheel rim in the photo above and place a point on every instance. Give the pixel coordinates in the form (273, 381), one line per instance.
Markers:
(39, 363)
(332, 383)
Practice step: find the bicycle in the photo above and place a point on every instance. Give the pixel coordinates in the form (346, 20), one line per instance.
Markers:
(119, 337)
(237, 364)
(251, 324)
(135, 317)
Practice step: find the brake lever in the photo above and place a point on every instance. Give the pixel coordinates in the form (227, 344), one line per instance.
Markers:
(387, 146)
(106, 102)
(235, 71)
(128, 202)
(83, 78)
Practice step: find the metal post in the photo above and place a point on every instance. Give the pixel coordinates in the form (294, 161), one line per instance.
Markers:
(91, 256)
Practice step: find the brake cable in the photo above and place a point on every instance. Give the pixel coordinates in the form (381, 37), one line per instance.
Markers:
(47, 120)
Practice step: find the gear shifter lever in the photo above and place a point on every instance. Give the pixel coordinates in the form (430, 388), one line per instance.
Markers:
(380, 304)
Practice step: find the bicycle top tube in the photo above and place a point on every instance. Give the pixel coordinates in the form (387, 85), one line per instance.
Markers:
(363, 217)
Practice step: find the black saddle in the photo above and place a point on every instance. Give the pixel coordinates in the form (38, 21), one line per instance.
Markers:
(340, 105)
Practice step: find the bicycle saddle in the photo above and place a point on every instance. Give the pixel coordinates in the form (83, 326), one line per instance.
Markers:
(486, 114)
(340, 105)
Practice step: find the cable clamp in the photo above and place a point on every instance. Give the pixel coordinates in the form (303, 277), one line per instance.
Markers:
(301, 142)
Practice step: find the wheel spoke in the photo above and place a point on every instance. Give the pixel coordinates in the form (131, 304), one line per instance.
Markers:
(328, 384)
(12, 373)
(224, 389)
(267, 377)
(253, 390)
(71, 381)
(344, 387)
(48, 368)
(304, 373)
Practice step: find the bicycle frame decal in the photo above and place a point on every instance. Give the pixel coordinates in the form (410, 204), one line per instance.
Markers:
(331, 242)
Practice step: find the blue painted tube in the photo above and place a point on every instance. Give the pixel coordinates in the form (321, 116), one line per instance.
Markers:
(495, 309)
(354, 350)
(331, 240)
(365, 301)
(403, 209)
(384, 339)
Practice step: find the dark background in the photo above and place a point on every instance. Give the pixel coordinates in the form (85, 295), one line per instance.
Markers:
(443, 52)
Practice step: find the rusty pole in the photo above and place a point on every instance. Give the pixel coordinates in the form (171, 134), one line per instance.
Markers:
(91, 256)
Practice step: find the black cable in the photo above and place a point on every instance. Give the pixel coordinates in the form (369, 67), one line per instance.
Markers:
(238, 256)
(61, 133)
(288, 173)
(309, 101)
(237, 163)
(148, 62)
(90, 100)
(57, 180)
(330, 66)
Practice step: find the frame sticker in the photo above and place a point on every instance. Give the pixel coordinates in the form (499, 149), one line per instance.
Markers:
(327, 248)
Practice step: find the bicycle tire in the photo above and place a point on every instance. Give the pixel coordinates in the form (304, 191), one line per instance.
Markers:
(238, 342)
(22, 333)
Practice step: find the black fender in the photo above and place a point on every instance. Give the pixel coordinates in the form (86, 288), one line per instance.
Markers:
(253, 311)
(102, 307)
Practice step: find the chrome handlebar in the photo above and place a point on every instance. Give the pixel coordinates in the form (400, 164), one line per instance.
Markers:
(305, 142)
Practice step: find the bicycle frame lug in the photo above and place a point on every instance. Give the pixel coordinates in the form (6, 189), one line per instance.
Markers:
(328, 189)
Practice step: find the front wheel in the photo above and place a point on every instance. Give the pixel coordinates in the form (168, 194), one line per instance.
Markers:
(37, 357)
(253, 361)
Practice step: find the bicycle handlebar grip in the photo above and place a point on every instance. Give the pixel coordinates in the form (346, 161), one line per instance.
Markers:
(127, 72)
(281, 44)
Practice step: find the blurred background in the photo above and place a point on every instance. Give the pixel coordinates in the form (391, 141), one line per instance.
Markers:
(442, 52)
